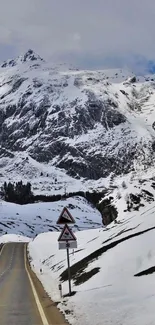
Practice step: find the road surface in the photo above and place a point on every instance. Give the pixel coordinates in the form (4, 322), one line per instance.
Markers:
(18, 301)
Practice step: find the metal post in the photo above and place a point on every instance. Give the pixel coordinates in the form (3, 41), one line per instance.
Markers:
(69, 273)
(60, 289)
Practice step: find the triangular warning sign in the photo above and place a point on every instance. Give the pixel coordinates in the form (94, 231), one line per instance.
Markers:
(66, 234)
(65, 217)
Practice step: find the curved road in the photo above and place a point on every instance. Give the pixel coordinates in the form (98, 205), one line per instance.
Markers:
(17, 301)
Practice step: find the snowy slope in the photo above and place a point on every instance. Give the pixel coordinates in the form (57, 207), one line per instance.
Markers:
(113, 295)
(78, 129)
(32, 219)
(14, 238)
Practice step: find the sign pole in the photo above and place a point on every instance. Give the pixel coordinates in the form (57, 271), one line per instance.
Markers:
(69, 273)
(67, 240)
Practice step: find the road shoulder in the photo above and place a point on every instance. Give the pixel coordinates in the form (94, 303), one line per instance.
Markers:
(50, 309)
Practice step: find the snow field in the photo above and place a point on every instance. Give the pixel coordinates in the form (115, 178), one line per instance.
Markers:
(32, 219)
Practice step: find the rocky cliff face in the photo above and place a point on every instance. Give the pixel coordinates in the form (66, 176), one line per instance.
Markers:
(88, 123)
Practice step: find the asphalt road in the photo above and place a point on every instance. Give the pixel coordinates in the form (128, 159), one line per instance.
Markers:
(17, 302)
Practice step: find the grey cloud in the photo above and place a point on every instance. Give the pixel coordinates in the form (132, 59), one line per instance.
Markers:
(76, 30)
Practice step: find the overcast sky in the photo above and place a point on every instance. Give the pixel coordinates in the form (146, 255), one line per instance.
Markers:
(88, 33)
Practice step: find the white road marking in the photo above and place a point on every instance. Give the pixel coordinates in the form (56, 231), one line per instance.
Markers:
(9, 266)
(40, 308)
(2, 249)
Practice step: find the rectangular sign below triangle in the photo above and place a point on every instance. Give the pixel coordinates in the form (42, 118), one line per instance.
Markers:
(66, 235)
(69, 245)
(65, 217)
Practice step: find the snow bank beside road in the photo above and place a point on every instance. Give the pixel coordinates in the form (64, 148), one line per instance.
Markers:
(105, 265)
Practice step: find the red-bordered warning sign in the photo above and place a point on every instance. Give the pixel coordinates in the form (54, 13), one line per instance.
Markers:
(65, 217)
(66, 235)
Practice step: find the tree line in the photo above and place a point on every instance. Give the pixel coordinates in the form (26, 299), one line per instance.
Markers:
(17, 192)
(22, 194)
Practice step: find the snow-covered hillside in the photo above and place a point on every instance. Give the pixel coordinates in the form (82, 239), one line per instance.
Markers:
(32, 219)
(64, 129)
(112, 272)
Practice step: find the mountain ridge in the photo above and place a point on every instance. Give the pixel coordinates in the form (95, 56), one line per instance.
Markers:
(87, 126)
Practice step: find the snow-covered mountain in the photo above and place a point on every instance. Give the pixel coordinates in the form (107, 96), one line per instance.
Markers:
(66, 130)
(62, 128)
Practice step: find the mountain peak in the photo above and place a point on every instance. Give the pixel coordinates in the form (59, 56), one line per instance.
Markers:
(30, 55)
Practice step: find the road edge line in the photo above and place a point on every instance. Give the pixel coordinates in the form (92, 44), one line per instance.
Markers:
(1, 251)
(39, 306)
